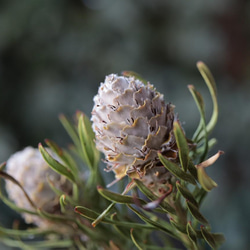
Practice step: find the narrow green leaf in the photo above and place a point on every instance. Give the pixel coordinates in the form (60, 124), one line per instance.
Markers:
(63, 202)
(168, 230)
(71, 130)
(87, 213)
(55, 165)
(118, 198)
(199, 194)
(178, 226)
(133, 239)
(196, 213)
(75, 193)
(62, 243)
(54, 147)
(38, 244)
(86, 136)
(59, 192)
(87, 127)
(93, 234)
(164, 205)
(87, 154)
(208, 237)
(63, 155)
(219, 238)
(54, 217)
(176, 170)
(211, 144)
(89, 137)
(207, 75)
(123, 233)
(15, 243)
(186, 194)
(202, 125)
(69, 161)
(191, 233)
(182, 145)
(201, 107)
(209, 80)
(206, 182)
(103, 214)
(25, 233)
(192, 169)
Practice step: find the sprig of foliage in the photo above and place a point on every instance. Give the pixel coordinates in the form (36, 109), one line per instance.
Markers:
(176, 213)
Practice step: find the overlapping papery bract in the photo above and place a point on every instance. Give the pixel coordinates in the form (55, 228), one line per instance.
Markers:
(132, 123)
(32, 172)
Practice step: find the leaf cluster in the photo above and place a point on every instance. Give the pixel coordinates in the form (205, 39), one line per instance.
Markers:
(182, 203)
(136, 217)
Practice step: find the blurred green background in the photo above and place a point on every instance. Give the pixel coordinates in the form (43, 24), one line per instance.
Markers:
(54, 54)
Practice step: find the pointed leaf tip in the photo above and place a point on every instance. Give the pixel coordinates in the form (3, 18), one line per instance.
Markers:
(206, 182)
(208, 237)
(56, 165)
(2, 165)
(199, 63)
(211, 160)
(196, 213)
(61, 115)
(191, 233)
(209, 80)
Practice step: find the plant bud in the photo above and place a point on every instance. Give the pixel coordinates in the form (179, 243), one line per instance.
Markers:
(31, 171)
(132, 123)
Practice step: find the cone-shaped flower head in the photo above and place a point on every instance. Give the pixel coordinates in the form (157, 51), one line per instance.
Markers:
(31, 171)
(132, 123)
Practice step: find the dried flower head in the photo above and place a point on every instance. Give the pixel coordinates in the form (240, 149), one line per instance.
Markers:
(132, 123)
(31, 171)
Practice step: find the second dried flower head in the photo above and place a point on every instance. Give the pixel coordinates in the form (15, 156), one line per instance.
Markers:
(132, 124)
(33, 173)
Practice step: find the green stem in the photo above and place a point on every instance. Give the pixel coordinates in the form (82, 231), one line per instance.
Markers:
(75, 192)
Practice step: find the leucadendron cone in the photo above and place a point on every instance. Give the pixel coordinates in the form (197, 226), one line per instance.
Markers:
(32, 172)
(132, 123)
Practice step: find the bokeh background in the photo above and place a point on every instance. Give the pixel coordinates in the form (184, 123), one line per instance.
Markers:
(54, 54)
